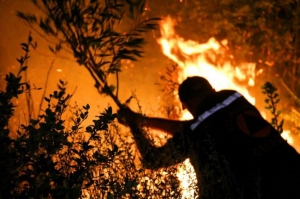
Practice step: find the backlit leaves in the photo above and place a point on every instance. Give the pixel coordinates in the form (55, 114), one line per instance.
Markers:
(272, 101)
(91, 30)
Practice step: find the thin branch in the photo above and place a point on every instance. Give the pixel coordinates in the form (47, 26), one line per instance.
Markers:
(45, 88)
(118, 83)
(289, 91)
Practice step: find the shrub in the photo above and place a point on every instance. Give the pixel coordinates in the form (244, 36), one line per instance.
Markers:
(56, 157)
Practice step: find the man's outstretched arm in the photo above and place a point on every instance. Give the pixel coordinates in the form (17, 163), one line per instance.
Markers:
(126, 117)
(154, 157)
(166, 125)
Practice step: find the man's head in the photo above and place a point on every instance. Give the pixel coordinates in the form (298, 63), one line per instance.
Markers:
(192, 91)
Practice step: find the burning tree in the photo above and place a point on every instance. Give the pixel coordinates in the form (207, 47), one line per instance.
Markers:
(265, 33)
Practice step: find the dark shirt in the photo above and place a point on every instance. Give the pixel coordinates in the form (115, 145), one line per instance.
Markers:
(235, 152)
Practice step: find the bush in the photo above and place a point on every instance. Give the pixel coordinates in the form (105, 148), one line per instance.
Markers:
(50, 158)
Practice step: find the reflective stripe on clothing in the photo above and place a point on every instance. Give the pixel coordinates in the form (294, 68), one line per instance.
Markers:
(214, 109)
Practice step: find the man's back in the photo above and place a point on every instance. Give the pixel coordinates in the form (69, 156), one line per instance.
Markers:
(239, 154)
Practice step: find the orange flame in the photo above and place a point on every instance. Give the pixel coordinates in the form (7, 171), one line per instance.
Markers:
(192, 59)
(201, 59)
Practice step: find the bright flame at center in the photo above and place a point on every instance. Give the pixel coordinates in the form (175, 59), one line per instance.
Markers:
(201, 59)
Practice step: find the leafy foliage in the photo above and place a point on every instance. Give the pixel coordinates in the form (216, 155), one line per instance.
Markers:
(92, 31)
(53, 157)
(14, 87)
(272, 101)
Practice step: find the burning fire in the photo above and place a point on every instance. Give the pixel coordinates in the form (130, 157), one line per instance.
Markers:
(192, 59)
(197, 59)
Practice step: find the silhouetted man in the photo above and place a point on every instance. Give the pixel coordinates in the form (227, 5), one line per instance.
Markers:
(235, 152)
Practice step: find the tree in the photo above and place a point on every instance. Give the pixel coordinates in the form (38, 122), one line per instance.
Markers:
(92, 32)
(264, 32)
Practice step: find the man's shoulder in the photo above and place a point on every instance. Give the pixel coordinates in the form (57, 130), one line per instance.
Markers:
(225, 92)
(220, 96)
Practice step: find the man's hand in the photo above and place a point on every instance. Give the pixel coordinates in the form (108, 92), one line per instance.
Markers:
(127, 117)
(130, 118)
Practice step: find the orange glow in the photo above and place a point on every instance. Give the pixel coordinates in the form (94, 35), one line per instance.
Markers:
(195, 59)
(192, 59)
(286, 135)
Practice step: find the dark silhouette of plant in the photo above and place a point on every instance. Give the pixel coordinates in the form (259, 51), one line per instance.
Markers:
(92, 32)
(15, 86)
(272, 101)
(46, 159)
(56, 157)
